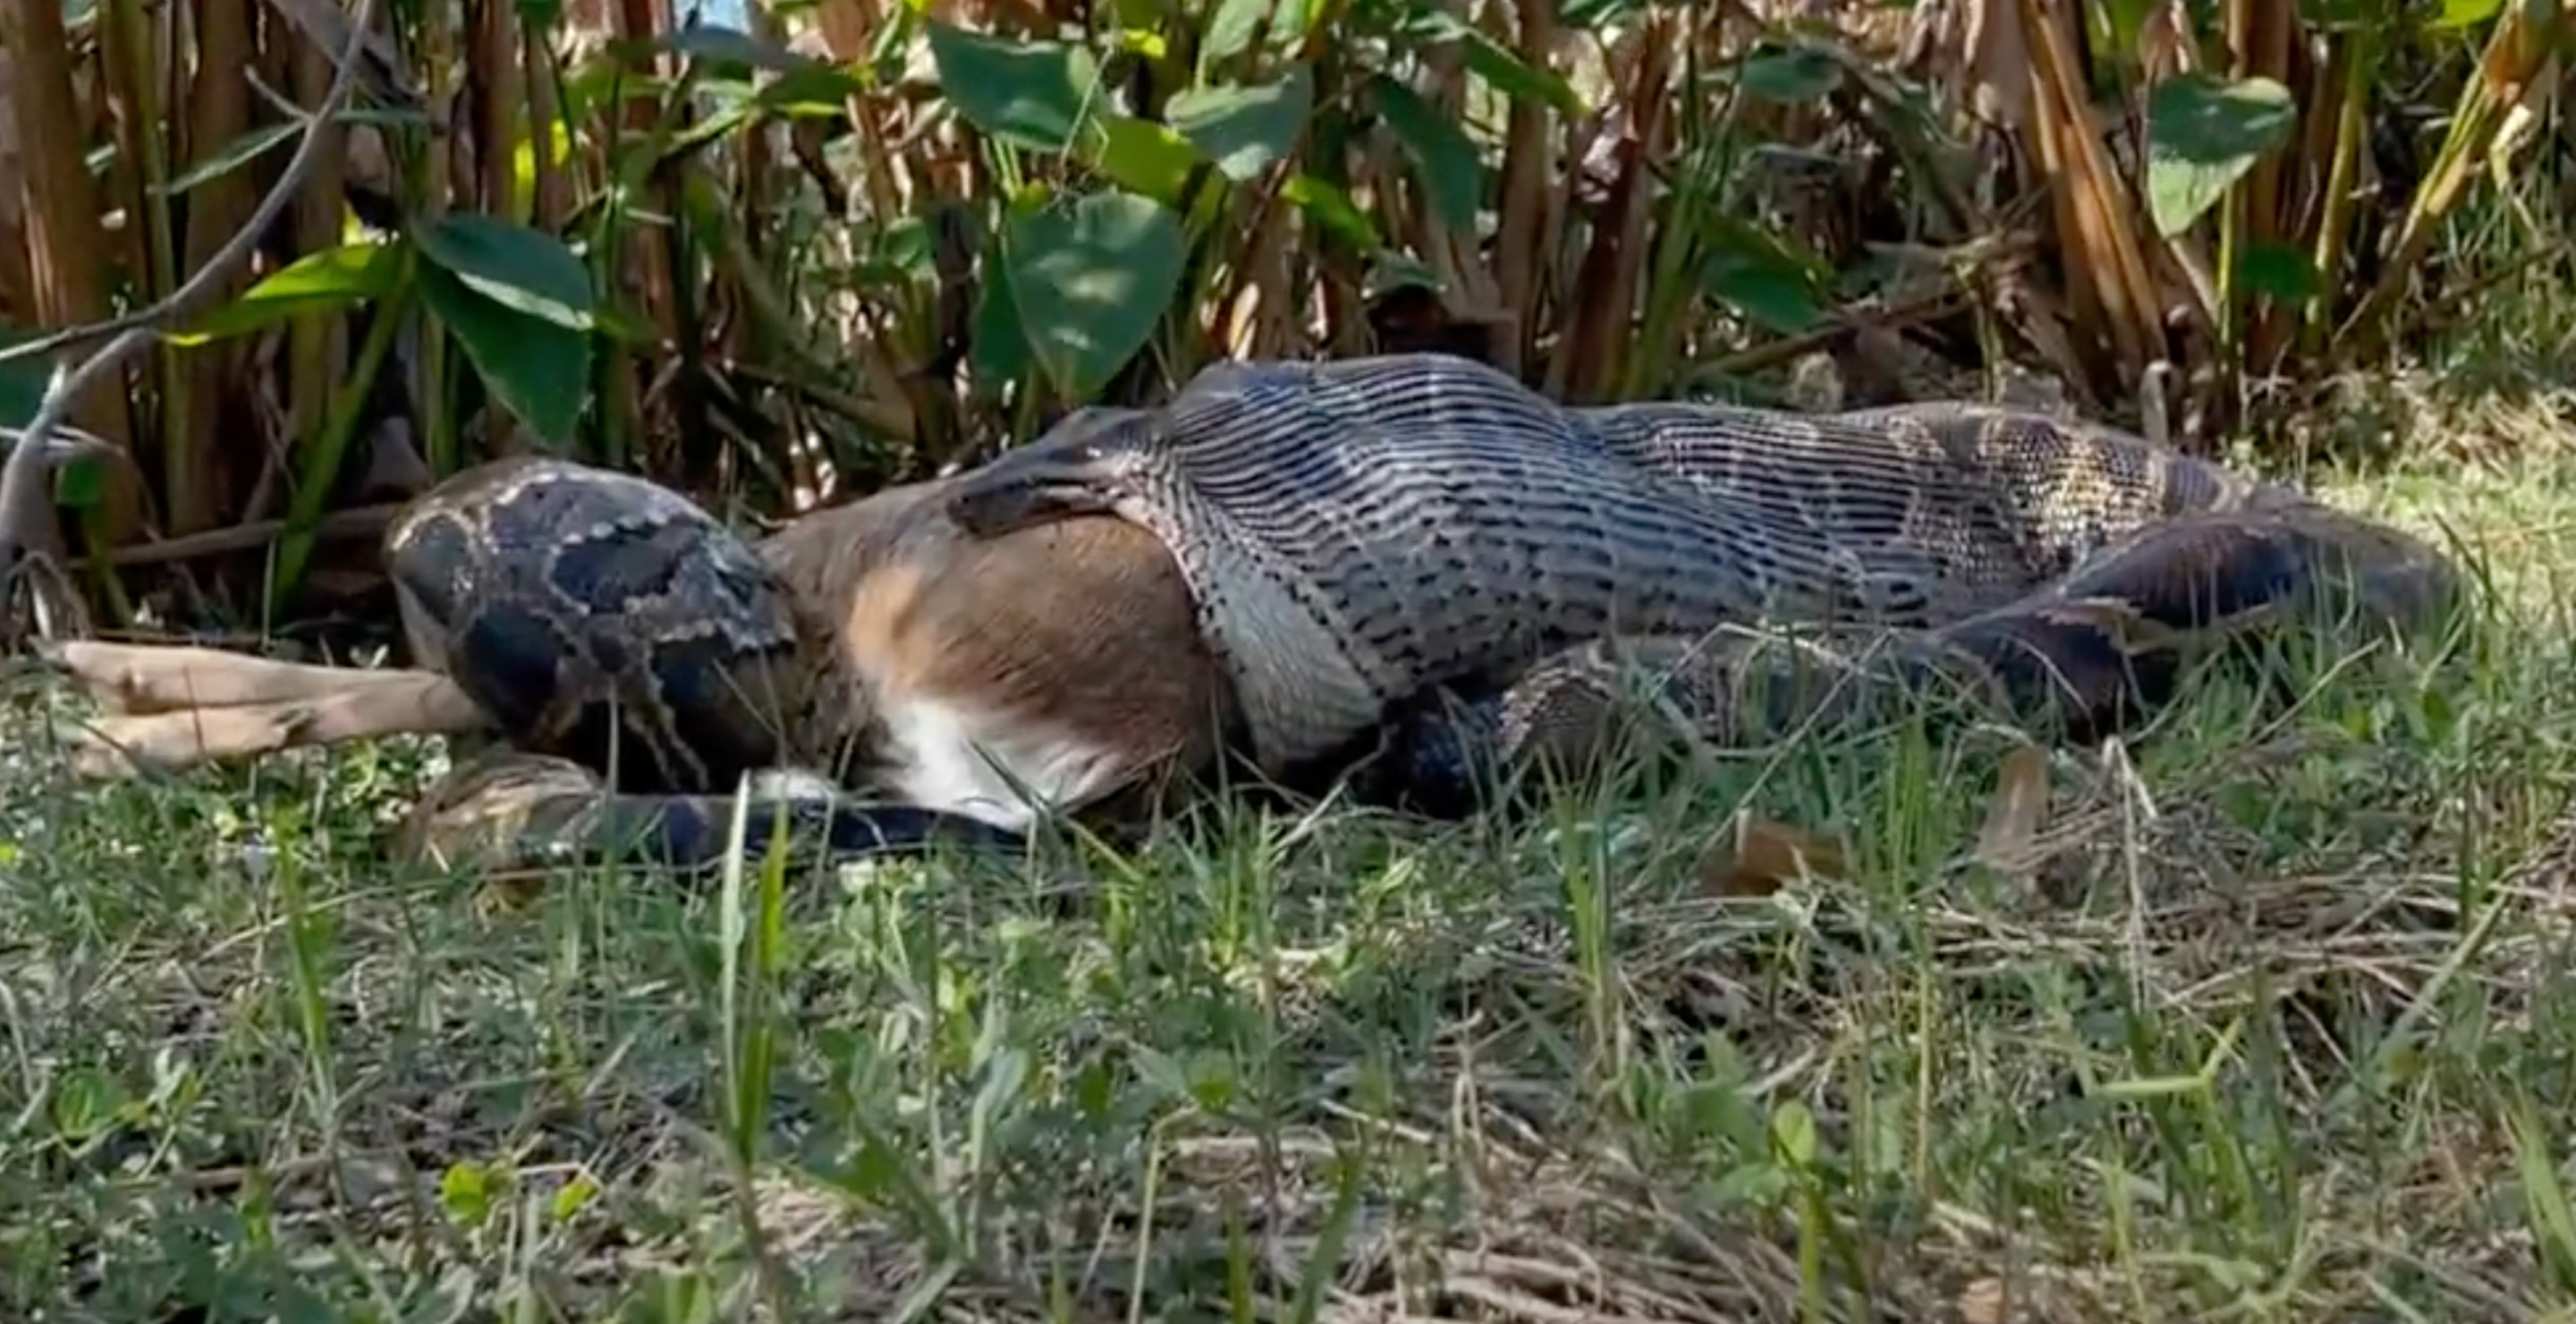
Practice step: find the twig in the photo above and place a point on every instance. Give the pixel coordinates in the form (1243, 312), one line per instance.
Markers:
(358, 521)
(28, 460)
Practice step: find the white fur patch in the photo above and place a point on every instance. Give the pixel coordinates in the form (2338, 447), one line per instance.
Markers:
(791, 784)
(942, 755)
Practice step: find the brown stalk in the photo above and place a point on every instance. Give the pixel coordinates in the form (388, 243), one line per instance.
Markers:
(17, 281)
(1528, 166)
(1606, 285)
(2260, 33)
(27, 524)
(498, 98)
(644, 251)
(64, 237)
(2516, 50)
(553, 200)
(353, 522)
(2092, 207)
(316, 343)
(219, 112)
(134, 102)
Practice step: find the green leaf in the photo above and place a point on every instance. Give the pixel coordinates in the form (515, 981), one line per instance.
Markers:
(1389, 271)
(2466, 13)
(2283, 271)
(1091, 279)
(22, 383)
(1762, 279)
(81, 483)
(239, 152)
(1501, 67)
(466, 1189)
(1000, 352)
(1794, 1134)
(1245, 129)
(1230, 32)
(818, 91)
(1794, 75)
(1327, 205)
(517, 266)
(1141, 156)
(258, 142)
(330, 278)
(1509, 74)
(536, 367)
(2203, 134)
(1452, 174)
(1031, 94)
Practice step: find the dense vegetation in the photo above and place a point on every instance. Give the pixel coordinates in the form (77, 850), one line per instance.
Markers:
(858, 241)
(2261, 1017)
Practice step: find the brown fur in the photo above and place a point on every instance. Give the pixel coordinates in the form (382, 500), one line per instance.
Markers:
(1082, 627)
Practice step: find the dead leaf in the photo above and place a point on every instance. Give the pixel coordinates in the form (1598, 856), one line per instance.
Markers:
(2009, 842)
(1762, 854)
(1982, 1302)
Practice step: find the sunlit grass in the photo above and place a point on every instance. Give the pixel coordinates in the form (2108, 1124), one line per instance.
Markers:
(2267, 1023)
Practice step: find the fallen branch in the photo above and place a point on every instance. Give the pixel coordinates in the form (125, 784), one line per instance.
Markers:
(355, 522)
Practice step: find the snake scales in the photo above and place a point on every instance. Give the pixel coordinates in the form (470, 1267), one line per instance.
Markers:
(1416, 551)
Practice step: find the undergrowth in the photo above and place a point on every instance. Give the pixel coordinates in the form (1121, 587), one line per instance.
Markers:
(2262, 1018)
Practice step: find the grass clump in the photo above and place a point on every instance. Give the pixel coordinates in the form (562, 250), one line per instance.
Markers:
(2262, 1018)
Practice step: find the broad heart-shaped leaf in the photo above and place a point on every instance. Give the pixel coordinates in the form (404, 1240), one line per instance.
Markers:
(535, 366)
(1451, 172)
(1090, 279)
(329, 278)
(2203, 134)
(1000, 351)
(1140, 155)
(519, 267)
(1244, 129)
(1031, 94)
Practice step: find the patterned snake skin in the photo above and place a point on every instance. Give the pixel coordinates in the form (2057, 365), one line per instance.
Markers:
(1363, 534)
(616, 632)
(1410, 549)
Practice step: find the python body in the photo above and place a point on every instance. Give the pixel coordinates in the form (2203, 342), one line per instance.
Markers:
(1414, 549)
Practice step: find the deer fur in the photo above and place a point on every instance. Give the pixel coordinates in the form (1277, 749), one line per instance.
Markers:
(1069, 652)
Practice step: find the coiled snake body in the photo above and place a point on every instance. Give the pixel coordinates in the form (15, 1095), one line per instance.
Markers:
(1417, 549)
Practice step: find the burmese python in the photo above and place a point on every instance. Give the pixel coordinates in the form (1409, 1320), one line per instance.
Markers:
(1412, 547)
(615, 631)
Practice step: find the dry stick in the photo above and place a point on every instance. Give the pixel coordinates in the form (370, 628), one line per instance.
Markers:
(26, 465)
(355, 522)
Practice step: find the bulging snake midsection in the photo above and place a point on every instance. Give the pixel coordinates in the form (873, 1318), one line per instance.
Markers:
(1413, 556)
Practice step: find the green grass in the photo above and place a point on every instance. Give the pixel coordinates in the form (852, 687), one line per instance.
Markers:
(2272, 1028)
